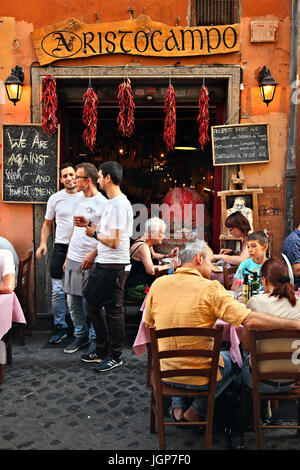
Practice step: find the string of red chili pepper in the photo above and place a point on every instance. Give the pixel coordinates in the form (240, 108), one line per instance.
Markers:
(170, 118)
(203, 117)
(125, 119)
(49, 103)
(90, 118)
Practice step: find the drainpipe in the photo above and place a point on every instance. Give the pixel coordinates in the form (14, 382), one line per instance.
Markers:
(290, 171)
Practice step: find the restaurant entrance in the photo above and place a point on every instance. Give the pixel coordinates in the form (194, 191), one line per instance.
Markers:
(150, 171)
(144, 157)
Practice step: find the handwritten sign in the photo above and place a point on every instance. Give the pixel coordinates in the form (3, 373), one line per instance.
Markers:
(30, 160)
(141, 36)
(240, 143)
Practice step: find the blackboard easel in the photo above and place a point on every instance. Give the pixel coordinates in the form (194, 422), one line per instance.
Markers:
(240, 144)
(30, 163)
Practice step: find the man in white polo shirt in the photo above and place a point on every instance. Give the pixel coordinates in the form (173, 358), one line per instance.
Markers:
(81, 254)
(106, 282)
(59, 209)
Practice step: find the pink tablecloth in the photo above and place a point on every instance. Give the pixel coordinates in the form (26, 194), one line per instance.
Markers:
(143, 335)
(233, 336)
(230, 333)
(10, 311)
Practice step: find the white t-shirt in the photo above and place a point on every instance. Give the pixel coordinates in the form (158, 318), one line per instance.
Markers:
(118, 216)
(92, 208)
(271, 304)
(6, 245)
(7, 265)
(280, 308)
(60, 206)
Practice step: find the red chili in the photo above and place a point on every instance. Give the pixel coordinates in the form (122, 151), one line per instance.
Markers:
(49, 102)
(125, 119)
(170, 118)
(203, 117)
(90, 118)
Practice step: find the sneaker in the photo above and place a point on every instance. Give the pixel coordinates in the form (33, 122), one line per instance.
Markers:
(91, 357)
(58, 335)
(108, 363)
(75, 345)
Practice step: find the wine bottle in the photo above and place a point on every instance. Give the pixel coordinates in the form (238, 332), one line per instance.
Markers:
(245, 289)
(254, 284)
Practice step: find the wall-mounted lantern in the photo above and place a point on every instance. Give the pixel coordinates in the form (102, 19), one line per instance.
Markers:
(267, 85)
(14, 84)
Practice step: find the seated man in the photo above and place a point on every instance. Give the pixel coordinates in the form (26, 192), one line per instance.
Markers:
(7, 272)
(189, 299)
(6, 245)
(291, 248)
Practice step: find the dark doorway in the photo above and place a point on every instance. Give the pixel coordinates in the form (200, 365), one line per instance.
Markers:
(149, 170)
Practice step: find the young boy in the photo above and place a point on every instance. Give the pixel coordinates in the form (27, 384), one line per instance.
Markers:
(258, 244)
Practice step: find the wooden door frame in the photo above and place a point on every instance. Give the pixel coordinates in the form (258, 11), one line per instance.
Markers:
(230, 73)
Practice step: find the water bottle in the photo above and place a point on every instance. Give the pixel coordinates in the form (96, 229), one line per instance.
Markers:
(238, 289)
(172, 267)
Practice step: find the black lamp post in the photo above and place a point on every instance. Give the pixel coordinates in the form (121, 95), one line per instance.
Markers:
(267, 85)
(14, 84)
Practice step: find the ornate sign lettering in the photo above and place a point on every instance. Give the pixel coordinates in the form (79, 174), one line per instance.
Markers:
(141, 36)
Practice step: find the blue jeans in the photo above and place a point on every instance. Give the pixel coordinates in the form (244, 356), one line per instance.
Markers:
(199, 403)
(58, 303)
(263, 387)
(78, 313)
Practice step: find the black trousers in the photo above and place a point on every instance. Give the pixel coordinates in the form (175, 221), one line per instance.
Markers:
(57, 261)
(105, 289)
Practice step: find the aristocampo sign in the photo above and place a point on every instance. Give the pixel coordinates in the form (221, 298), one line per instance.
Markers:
(140, 36)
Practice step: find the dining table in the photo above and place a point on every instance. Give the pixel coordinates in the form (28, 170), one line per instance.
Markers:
(10, 312)
(217, 273)
(231, 334)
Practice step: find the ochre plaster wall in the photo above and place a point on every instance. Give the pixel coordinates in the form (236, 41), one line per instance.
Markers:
(16, 222)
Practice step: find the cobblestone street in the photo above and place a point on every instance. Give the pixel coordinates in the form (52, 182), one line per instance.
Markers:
(54, 401)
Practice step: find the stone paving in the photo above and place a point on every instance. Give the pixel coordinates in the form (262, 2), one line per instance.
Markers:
(53, 401)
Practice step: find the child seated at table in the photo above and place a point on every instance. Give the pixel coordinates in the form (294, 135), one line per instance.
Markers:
(258, 245)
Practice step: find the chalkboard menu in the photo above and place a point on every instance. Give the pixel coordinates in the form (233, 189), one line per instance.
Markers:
(240, 143)
(30, 163)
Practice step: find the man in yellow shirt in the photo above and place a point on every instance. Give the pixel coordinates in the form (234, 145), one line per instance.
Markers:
(189, 299)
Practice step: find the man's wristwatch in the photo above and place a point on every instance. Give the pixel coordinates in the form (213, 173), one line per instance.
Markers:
(95, 235)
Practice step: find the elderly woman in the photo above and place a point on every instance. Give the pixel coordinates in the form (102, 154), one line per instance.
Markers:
(142, 256)
(239, 227)
(7, 272)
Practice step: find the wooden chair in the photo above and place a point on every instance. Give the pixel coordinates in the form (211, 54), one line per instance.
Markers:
(289, 266)
(159, 390)
(160, 271)
(226, 273)
(22, 292)
(132, 312)
(280, 373)
(7, 340)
